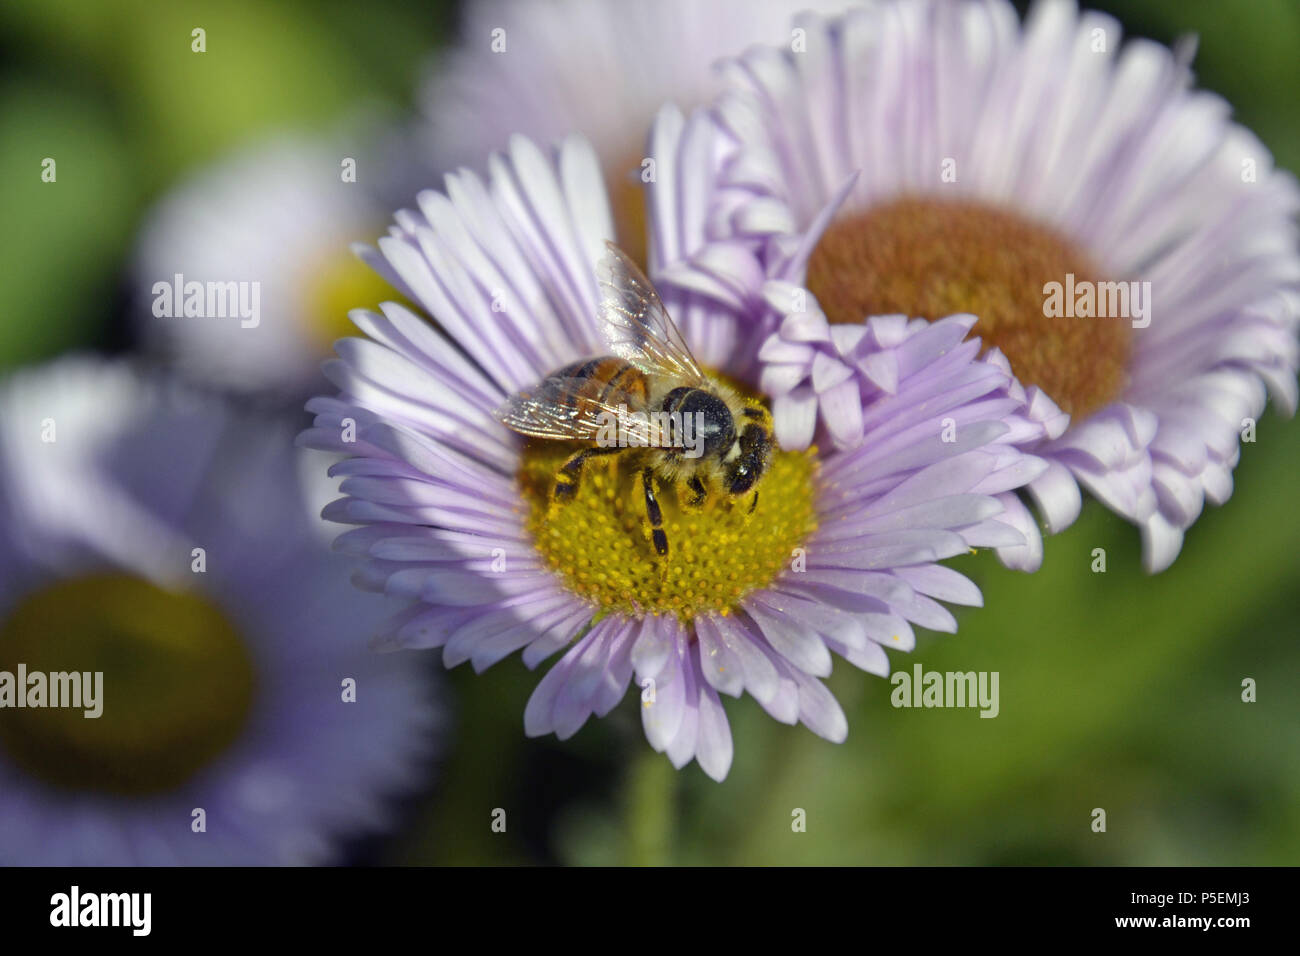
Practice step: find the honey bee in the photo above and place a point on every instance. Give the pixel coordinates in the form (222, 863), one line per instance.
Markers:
(682, 424)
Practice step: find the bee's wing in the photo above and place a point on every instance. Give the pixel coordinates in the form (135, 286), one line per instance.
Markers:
(551, 410)
(637, 325)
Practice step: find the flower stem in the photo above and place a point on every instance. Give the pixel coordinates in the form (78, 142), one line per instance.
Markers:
(650, 809)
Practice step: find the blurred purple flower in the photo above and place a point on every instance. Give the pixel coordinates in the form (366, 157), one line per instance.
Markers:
(601, 68)
(266, 229)
(547, 68)
(224, 669)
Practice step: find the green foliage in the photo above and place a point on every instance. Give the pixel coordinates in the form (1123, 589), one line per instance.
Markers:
(58, 272)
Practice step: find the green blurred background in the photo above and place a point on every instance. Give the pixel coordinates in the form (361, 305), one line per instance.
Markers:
(1119, 691)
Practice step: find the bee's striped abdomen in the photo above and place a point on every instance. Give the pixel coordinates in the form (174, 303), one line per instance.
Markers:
(606, 380)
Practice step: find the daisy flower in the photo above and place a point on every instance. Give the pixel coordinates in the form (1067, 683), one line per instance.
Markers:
(1129, 249)
(457, 513)
(154, 537)
(602, 68)
(274, 220)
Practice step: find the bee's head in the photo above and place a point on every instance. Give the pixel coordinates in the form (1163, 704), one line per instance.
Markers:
(754, 456)
(714, 429)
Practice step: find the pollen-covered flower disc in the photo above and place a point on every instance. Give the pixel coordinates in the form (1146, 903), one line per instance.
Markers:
(459, 514)
(1128, 249)
(182, 641)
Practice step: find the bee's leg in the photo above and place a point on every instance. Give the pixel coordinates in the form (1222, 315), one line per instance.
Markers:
(654, 514)
(753, 503)
(698, 490)
(566, 482)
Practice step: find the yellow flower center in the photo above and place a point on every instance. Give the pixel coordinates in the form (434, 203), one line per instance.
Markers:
(176, 689)
(932, 258)
(338, 284)
(599, 541)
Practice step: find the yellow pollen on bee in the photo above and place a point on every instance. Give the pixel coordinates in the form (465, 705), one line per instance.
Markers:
(599, 541)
